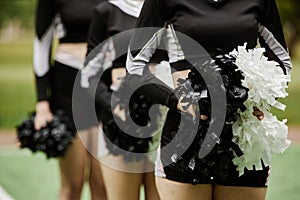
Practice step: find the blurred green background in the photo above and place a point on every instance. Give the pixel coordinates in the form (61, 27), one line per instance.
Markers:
(16, 78)
(28, 177)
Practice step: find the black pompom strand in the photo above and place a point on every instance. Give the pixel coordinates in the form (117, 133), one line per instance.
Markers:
(53, 139)
(119, 142)
(194, 90)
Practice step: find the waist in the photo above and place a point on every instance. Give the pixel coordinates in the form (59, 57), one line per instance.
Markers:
(75, 49)
(72, 54)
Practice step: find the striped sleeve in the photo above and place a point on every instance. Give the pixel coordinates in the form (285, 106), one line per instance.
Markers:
(44, 29)
(146, 47)
(271, 36)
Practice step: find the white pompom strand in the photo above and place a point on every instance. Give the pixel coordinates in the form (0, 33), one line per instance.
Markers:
(266, 82)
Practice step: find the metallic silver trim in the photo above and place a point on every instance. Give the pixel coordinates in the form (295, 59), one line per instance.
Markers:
(276, 47)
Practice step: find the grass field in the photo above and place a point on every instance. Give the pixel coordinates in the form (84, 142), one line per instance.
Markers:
(32, 177)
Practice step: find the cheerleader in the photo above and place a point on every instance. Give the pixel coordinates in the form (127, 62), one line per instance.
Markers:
(206, 26)
(69, 21)
(124, 167)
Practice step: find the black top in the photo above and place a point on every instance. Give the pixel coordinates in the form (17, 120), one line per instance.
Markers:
(107, 21)
(223, 24)
(75, 17)
(70, 20)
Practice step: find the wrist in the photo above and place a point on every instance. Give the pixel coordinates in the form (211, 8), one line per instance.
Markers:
(42, 106)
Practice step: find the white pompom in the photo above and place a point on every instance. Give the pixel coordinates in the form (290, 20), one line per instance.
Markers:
(266, 82)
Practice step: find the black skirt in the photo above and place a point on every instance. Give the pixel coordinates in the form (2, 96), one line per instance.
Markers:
(63, 80)
(182, 163)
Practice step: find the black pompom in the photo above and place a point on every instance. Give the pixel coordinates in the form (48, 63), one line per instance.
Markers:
(194, 90)
(119, 141)
(217, 162)
(53, 140)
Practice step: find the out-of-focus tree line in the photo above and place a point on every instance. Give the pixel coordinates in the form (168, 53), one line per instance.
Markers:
(22, 12)
(19, 11)
(290, 16)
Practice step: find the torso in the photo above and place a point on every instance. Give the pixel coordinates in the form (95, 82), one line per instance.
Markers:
(75, 16)
(216, 25)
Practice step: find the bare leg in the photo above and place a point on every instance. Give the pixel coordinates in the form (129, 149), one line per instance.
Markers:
(177, 191)
(120, 184)
(150, 187)
(72, 171)
(151, 192)
(236, 193)
(89, 138)
(96, 181)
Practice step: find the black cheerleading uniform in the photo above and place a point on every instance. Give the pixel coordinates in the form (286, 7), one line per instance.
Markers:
(109, 19)
(69, 21)
(220, 24)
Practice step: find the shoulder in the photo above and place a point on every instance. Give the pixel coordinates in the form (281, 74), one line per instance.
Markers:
(103, 9)
(265, 4)
(104, 6)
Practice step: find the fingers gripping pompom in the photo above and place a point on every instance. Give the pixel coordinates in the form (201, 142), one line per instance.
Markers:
(53, 140)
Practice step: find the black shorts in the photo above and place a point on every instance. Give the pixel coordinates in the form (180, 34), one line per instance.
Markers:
(62, 83)
(215, 168)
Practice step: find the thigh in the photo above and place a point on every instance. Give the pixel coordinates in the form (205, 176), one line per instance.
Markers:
(235, 193)
(96, 181)
(95, 172)
(120, 184)
(177, 191)
(150, 187)
(89, 138)
(73, 163)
